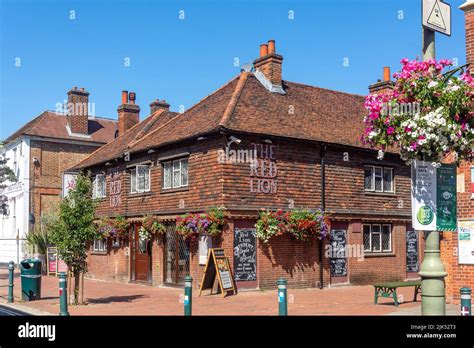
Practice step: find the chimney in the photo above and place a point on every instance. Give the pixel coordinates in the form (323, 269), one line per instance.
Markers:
(77, 110)
(468, 8)
(128, 112)
(382, 86)
(269, 63)
(159, 105)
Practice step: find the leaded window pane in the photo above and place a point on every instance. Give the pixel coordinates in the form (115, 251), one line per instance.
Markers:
(167, 175)
(133, 180)
(386, 238)
(387, 180)
(368, 179)
(184, 172)
(366, 238)
(176, 174)
(378, 179)
(376, 242)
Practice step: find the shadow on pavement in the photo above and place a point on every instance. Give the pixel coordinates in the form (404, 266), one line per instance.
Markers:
(111, 299)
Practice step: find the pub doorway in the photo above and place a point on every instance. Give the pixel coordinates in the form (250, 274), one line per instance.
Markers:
(141, 256)
(176, 257)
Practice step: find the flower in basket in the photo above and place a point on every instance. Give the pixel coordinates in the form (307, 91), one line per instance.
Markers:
(216, 217)
(428, 115)
(121, 225)
(106, 229)
(154, 225)
(143, 234)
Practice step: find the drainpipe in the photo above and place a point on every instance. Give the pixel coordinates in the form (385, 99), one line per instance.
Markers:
(323, 207)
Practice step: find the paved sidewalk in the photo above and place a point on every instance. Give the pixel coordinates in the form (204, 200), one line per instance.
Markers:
(106, 298)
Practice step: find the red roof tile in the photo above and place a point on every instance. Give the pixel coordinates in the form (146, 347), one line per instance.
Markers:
(53, 125)
(245, 105)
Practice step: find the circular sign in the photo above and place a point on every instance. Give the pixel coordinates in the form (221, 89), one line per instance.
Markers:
(425, 215)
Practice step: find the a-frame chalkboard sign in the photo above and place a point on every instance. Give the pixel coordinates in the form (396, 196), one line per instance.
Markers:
(218, 264)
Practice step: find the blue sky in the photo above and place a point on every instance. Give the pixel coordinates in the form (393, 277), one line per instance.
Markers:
(183, 60)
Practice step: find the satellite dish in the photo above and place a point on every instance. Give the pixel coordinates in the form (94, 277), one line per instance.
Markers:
(247, 67)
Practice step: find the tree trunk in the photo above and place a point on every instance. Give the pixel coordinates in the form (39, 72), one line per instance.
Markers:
(77, 278)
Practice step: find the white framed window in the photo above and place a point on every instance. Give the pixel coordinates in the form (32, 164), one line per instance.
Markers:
(98, 186)
(140, 179)
(175, 173)
(378, 179)
(100, 245)
(377, 238)
(15, 161)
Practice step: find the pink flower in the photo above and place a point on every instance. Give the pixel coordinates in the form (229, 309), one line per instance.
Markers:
(390, 130)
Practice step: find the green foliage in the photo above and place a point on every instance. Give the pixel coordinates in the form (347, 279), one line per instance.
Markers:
(153, 225)
(75, 227)
(38, 241)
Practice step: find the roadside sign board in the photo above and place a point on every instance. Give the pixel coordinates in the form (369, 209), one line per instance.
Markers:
(437, 16)
(466, 242)
(433, 198)
(217, 267)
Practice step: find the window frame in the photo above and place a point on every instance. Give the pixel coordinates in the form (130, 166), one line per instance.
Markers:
(99, 245)
(381, 226)
(95, 186)
(383, 170)
(170, 165)
(134, 173)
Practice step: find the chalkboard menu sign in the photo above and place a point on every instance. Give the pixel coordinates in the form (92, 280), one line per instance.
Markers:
(338, 262)
(245, 254)
(412, 251)
(217, 267)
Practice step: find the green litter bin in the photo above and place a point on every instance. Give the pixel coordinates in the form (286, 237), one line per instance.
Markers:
(30, 271)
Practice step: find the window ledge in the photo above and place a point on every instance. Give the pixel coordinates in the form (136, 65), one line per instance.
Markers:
(98, 252)
(385, 254)
(140, 194)
(173, 190)
(384, 194)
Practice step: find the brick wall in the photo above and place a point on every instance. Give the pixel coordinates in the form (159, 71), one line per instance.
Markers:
(298, 185)
(46, 179)
(114, 265)
(458, 275)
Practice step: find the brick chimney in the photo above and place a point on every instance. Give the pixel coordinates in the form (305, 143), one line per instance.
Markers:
(128, 112)
(382, 86)
(269, 63)
(468, 8)
(77, 110)
(158, 105)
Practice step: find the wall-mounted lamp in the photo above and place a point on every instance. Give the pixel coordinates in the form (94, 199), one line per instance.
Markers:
(235, 140)
(151, 151)
(268, 141)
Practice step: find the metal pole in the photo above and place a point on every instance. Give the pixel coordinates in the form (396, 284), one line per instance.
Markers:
(282, 298)
(11, 267)
(466, 301)
(432, 271)
(188, 295)
(63, 294)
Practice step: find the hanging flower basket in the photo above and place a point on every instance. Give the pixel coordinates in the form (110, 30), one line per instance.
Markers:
(117, 227)
(143, 234)
(192, 225)
(303, 225)
(428, 115)
(153, 225)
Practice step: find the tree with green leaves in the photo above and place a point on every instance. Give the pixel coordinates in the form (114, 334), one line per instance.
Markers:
(74, 229)
(6, 175)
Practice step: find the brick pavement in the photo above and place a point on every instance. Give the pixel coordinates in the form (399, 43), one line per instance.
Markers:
(133, 299)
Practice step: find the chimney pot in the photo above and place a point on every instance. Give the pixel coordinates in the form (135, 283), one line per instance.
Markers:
(263, 50)
(78, 105)
(158, 104)
(271, 46)
(132, 96)
(124, 97)
(386, 73)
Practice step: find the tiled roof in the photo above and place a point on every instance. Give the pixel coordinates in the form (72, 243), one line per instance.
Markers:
(119, 145)
(53, 125)
(245, 105)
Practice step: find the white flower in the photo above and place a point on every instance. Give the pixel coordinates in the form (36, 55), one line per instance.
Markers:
(380, 155)
(432, 84)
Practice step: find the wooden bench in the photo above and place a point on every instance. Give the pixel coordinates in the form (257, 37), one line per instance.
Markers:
(390, 289)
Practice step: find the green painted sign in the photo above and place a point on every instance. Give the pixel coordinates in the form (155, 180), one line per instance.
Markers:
(425, 215)
(446, 198)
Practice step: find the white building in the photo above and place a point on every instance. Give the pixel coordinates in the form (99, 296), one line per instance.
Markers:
(14, 226)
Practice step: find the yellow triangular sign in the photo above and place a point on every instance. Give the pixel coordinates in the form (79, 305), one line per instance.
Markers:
(436, 18)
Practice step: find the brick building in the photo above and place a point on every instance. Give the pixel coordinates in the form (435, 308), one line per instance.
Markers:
(38, 153)
(460, 271)
(307, 144)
